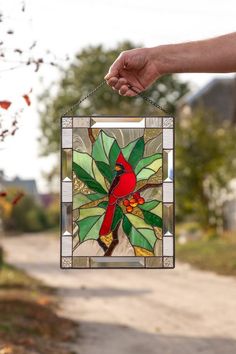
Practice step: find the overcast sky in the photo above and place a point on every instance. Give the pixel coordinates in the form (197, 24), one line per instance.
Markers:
(66, 26)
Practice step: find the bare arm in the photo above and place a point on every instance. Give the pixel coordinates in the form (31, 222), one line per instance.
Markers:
(142, 66)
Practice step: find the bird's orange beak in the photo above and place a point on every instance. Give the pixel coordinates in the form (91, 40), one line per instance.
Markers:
(118, 168)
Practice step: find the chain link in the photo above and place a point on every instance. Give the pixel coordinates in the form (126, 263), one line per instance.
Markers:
(147, 99)
(84, 98)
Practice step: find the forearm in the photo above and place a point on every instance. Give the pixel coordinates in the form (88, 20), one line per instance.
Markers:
(208, 56)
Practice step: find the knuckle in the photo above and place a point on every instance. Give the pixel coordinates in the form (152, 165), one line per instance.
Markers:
(123, 54)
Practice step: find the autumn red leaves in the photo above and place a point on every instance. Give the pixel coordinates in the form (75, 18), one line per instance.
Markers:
(15, 199)
(6, 104)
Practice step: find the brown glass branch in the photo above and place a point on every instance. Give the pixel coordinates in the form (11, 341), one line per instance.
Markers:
(90, 134)
(114, 242)
(143, 188)
(149, 185)
(102, 244)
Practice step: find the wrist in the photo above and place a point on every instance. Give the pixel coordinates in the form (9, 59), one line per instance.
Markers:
(164, 57)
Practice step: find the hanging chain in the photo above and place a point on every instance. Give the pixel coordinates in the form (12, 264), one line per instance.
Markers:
(84, 98)
(147, 99)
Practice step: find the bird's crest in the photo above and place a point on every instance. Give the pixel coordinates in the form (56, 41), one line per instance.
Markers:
(122, 161)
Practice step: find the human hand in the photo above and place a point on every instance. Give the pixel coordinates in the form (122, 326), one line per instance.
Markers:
(137, 68)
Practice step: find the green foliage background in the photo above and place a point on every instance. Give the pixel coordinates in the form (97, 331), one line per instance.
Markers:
(205, 164)
(29, 215)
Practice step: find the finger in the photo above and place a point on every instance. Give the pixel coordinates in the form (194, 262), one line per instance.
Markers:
(111, 73)
(123, 90)
(130, 93)
(120, 83)
(112, 81)
(126, 91)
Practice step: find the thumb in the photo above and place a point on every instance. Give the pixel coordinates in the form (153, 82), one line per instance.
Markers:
(115, 68)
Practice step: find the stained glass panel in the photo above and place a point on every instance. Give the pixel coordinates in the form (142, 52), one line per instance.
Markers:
(117, 192)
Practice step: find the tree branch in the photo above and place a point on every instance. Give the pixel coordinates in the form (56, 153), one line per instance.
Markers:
(90, 134)
(114, 242)
(143, 188)
(149, 185)
(102, 244)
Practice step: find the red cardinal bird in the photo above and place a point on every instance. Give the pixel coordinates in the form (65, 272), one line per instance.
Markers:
(122, 185)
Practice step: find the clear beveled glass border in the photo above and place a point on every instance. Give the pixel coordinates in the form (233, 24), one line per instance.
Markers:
(167, 259)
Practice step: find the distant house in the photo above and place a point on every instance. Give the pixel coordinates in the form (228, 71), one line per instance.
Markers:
(219, 97)
(27, 185)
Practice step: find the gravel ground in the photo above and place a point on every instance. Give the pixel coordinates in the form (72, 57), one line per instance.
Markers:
(180, 311)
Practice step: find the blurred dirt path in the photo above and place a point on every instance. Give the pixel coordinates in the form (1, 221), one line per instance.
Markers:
(181, 311)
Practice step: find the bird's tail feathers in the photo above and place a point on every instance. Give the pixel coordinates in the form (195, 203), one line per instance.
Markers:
(107, 221)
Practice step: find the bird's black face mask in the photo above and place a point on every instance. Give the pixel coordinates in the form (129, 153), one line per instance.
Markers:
(119, 168)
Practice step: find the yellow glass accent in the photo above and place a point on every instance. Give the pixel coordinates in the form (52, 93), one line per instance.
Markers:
(142, 252)
(107, 239)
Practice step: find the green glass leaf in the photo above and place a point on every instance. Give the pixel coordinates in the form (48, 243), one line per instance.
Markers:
(139, 232)
(105, 170)
(89, 223)
(87, 171)
(150, 205)
(85, 226)
(80, 199)
(113, 154)
(152, 212)
(117, 216)
(148, 166)
(133, 152)
(152, 219)
(105, 152)
(84, 213)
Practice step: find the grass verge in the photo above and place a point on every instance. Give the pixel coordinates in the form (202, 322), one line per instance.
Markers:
(28, 319)
(218, 255)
